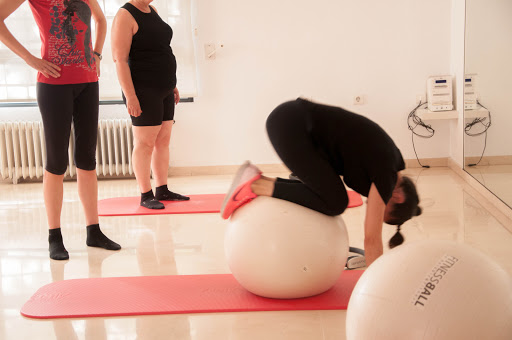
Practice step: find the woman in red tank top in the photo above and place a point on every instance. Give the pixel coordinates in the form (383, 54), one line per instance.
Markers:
(67, 93)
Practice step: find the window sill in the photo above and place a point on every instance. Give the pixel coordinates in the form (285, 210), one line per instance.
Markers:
(102, 102)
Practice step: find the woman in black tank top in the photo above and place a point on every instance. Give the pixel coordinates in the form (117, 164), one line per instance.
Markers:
(146, 69)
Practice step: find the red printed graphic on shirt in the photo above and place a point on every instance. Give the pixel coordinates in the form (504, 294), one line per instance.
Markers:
(65, 27)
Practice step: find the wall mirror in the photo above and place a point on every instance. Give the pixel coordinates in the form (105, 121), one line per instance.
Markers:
(488, 95)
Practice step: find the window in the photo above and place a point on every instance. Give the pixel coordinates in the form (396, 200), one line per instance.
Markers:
(17, 80)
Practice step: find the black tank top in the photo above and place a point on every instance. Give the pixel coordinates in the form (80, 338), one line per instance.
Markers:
(152, 63)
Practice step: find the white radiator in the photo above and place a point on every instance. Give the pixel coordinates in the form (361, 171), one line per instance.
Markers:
(23, 152)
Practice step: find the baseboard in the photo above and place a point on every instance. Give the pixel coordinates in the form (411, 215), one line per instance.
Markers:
(431, 162)
(279, 168)
(489, 160)
(495, 206)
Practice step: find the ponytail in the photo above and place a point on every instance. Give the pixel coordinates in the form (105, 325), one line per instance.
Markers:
(402, 212)
(397, 239)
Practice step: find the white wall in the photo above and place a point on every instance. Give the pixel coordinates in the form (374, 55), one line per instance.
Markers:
(331, 51)
(488, 54)
(327, 50)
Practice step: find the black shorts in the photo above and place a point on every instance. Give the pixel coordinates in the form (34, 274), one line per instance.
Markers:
(157, 105)
(61, 105)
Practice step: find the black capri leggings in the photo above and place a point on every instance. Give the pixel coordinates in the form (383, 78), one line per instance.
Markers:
(61, 105)
(320, 188)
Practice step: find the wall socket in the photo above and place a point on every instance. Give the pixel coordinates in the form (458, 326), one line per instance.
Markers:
(359, 99)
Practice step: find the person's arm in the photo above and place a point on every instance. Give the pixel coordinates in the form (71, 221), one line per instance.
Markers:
(374, 219)
(7, 7)
(123, 29)
(101, 31)
(176, 96)
(176, 91)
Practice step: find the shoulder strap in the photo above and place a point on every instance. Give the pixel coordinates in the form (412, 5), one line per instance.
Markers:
(132, 10)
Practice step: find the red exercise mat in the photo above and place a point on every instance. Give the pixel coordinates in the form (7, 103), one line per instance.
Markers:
(173, 294)
(354, 199)
(125, 206)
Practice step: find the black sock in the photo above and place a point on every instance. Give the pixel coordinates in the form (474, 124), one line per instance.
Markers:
(96, 238)
(57, 250)
(148, 200)
(164, 194)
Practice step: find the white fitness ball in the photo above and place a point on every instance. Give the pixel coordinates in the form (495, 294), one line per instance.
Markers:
(279, 249)
(436, 290)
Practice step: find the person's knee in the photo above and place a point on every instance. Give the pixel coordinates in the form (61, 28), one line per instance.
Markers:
(56, 168)
(57, 163)
(86, 164)
(85, 156)
(162, 142)
(146, 144)
(335, 206)
(85, 161)
(333, 210)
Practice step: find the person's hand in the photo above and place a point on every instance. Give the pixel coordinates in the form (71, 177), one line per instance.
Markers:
(133, 106)
(98, 63)
(176, 96)
(46, 68)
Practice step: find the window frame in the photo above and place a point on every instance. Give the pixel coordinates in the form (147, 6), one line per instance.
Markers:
(7, 57)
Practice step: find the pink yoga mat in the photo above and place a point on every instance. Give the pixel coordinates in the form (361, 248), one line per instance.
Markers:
(173, 294)
(125, 206)
(354, 199)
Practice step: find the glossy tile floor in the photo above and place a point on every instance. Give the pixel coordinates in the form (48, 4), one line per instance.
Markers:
(497, 178)
(193, 244)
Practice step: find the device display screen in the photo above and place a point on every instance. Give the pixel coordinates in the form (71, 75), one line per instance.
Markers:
(441, 81)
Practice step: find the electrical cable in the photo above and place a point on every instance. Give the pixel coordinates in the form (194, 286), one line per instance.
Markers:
(487, 125)
(413, 122)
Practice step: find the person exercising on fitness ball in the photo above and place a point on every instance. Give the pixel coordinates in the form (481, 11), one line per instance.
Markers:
(318, 143)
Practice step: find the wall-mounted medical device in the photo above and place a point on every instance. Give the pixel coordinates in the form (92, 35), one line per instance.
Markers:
(439, 93)
(470, 95)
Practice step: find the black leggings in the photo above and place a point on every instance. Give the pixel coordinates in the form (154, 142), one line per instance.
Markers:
(61, 105)
(320, 188)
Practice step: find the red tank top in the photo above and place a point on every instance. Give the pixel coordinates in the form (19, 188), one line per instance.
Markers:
(65, 29)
